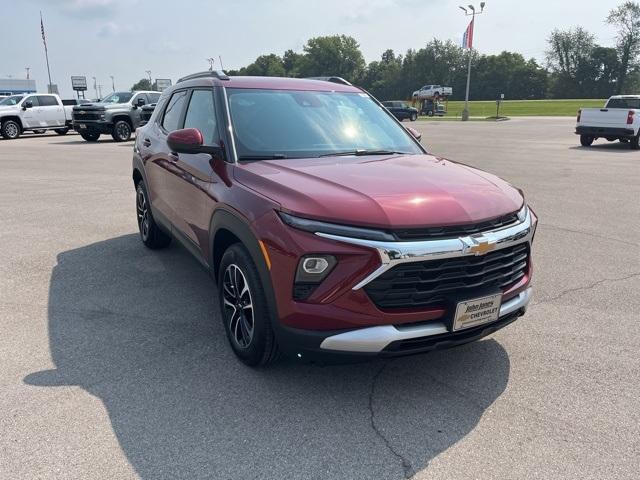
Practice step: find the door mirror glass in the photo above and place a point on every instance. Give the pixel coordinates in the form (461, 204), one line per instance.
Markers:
(27, 104)
(140, 102)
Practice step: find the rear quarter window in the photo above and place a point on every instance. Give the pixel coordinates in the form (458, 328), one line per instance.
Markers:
(633, 103)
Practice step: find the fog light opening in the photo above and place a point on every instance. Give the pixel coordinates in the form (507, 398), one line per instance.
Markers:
(315, 265)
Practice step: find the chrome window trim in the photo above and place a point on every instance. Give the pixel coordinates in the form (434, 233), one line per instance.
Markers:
(395, 253)
(230, 125)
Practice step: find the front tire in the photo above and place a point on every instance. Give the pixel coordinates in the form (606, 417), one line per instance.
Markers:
(244, 309)
(586, 140)
(10, 129)
(90, 136)
(150, 233)
(121, 131)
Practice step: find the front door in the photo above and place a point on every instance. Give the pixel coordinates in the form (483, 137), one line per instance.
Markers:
(31, 116)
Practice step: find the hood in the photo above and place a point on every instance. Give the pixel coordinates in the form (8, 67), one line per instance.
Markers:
(382, 191)
(100, 106)
(9, 107)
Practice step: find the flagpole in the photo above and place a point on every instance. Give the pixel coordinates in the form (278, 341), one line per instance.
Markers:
(46, 54)
(465, 111)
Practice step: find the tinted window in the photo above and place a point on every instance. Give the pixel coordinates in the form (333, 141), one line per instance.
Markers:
(173, 113)
(47, 101)
(33, 99)
(118, 97)
(70, 102)
(624, 103)
(202, 115)
(153, 97)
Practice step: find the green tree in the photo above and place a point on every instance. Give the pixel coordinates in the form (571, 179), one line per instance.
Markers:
(143, 84)
(626, 19)
(569, 57)
(292, 63)
(265, 65)
(338, 55)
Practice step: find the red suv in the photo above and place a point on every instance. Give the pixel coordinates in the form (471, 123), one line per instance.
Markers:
(329, 229)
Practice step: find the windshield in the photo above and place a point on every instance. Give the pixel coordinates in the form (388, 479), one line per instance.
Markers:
(301, 124)
(118, 97)
(624, 103)
(13, 100)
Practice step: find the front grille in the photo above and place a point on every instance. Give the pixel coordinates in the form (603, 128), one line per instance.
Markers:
(86, 116)
(434, 283)
(451, 231)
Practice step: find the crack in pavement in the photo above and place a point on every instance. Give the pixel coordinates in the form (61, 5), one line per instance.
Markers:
(406, 464)
(585, 287)
(589, 234)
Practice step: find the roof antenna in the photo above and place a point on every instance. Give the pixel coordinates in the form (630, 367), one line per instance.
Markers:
(220, 58)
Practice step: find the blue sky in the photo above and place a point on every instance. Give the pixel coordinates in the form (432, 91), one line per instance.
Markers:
(172, 38)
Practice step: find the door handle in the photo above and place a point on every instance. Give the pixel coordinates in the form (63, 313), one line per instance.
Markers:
(173, 157)
(146, 142)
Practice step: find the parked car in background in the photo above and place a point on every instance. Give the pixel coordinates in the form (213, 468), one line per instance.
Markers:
(145, 114)
(618, 120)
(431, 107)
(401, 110)
(34, 112)
(330, 230)
(430, 91)
(118, 115)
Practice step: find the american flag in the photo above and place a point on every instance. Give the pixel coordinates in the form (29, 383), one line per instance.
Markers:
(467, 38)
(44, 40)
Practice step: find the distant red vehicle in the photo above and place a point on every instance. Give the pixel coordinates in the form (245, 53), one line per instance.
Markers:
(331, 232)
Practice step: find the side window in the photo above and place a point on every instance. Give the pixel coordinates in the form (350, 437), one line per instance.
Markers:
(33, 99)
(153, 97)
(47, 101)
(201, 114)
(173, 113)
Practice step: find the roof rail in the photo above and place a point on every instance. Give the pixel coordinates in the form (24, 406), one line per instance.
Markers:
(332, 80)
(219, 74)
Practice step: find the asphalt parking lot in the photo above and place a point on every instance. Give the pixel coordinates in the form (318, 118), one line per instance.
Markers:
(114, 364)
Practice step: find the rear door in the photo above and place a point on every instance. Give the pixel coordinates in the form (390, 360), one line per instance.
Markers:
(51, 112)
(189, 176)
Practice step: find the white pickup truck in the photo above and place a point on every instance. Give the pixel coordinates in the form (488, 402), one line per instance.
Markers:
(34, 112)
(619, 119)
(430, 91)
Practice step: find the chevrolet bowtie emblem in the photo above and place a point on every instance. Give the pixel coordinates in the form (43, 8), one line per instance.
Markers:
(82, 112)
(479, 247)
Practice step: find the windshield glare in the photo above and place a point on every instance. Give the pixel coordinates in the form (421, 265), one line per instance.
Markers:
(301, 124)
(13, 100)
(118, 97)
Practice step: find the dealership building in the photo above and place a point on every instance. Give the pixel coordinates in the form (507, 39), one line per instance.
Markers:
(12, 86)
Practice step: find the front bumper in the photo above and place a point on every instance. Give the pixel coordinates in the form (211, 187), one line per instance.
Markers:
(605, 131)
(101, 126)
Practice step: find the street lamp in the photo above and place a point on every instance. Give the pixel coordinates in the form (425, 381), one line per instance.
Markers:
(95, 87)
(465, 111)
(150, 81)
(113, 83)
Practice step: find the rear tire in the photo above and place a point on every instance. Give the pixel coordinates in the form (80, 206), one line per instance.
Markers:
(61, 131)
(634, 142)
(121, 131)
(150, 233)
(414, 117)
(90, 136)
(244, 309)
(430, 113)
(586, 140)
(10, 129)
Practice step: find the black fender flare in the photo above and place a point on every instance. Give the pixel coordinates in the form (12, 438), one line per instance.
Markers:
(224, 219)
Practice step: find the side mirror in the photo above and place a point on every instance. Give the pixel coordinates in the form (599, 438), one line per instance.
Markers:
(416, 134)
(140, 102)
(27, 104)
(190, 140)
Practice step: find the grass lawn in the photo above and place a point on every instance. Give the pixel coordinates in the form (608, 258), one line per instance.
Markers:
(521, 108)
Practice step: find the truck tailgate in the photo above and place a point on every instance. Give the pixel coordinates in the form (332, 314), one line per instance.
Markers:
(604, 117)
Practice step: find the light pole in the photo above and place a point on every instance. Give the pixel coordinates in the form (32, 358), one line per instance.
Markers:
(95, 87)
(100, 92)
(150, 82)
(465, 111)
(27, 69)
(113, 83)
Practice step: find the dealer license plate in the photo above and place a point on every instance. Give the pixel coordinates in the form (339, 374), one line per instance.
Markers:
(82, 125)
(478, 311)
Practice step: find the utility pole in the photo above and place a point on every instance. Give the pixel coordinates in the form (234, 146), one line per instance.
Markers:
(113, 83)
(100, 91)
(27, 69)
(468, 43)
(95, 87)
(150, 81)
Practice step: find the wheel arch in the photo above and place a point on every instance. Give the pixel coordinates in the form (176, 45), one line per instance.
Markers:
(14, 118)
(122, 116)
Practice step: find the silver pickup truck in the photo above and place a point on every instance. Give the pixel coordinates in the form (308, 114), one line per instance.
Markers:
(619, 119)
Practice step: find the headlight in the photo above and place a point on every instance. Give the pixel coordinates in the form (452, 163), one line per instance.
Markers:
(314, 226)
(522, 214)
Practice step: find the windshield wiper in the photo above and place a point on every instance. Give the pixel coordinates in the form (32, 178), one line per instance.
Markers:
(275, 156)
(362, 152)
